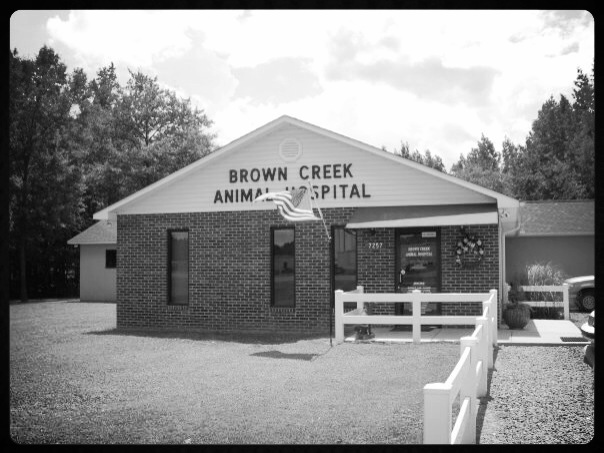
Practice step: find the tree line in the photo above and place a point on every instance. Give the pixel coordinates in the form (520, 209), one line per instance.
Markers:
(77, 146)
(556, 162)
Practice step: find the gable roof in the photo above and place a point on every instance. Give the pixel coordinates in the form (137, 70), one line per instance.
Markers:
(102, 232)
(557, 218)
(109, 212)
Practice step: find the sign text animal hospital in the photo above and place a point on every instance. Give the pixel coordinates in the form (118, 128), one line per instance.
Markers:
(333, 181)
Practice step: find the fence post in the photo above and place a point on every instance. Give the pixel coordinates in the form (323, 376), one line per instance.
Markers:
(468, 387)
(437, 414)
(485, 353)
(360, 303)
(495, 313)
(489, 305)
(339, 316)
(481, 383)
(566, 301)
(416, 307)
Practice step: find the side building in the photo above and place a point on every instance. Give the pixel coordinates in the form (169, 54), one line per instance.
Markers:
(560, 232)
(98, 262)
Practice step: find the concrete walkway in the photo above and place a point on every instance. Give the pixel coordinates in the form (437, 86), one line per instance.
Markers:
(543, 332)
(538, 332)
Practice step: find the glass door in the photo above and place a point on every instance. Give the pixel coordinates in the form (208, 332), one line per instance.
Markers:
(418, 266)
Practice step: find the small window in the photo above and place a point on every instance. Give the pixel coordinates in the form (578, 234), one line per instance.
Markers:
(110, 259)
(344, 259)
(178, 267)
(283, 267)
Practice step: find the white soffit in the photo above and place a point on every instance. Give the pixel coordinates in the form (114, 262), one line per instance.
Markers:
(420, 216)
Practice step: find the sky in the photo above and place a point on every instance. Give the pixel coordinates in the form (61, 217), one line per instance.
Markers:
(435, 79)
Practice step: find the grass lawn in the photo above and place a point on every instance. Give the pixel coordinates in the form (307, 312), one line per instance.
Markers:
(74, 379)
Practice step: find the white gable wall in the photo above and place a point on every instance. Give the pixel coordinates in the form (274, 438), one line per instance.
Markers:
(369, 179)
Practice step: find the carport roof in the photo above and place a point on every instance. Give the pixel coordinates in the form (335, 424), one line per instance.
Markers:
(102, 232)
(557, 218)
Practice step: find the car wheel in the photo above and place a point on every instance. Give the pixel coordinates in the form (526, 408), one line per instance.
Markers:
(586, 300)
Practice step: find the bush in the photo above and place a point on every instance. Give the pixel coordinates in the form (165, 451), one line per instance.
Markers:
(544, 274)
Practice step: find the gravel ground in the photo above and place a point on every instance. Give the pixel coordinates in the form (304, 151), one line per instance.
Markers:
(538, 395)
(75, 380)
(71, 385)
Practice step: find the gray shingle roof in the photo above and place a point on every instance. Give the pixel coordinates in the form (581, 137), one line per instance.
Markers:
(101, 232)
(550, 218)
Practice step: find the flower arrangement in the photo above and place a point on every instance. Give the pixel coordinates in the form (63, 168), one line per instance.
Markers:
(469, 248)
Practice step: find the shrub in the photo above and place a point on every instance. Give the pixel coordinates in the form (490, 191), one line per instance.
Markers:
(545, 274)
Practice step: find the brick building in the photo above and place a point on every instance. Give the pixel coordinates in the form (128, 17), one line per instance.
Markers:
(195, 252)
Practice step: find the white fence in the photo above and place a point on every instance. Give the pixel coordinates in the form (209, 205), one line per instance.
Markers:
(416, 298)
(549, 289)
(468, 380)
(469, 377)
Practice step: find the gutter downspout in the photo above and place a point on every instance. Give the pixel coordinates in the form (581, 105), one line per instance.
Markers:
(503, 290)
(505, 235)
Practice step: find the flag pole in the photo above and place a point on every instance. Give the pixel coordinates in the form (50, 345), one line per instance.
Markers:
(330, 245)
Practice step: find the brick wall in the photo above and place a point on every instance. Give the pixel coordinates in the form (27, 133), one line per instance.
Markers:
(230, 271)
(471, 278)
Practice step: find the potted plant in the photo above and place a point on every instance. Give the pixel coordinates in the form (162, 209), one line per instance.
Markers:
(516, 313)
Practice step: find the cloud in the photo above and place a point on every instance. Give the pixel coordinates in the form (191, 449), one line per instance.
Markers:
(429, 79)
(135, 38)
(572, 48)
(436, 79)
(565, 22)
(280, 80)
(205, 76)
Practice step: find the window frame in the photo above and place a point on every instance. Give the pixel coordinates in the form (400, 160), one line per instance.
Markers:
(333, 259)
(113, 261)
(272, 274)
(169, 265)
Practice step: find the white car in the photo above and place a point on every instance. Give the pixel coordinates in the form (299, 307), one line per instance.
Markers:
(583, 290)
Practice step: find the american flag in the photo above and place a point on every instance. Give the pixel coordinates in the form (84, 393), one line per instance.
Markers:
(287, 203)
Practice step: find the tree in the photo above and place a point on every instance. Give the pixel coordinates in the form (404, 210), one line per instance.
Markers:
(557, 160)
(77, 146)
(137, 135)
(427, 159)
(161, 132)
(582, 144)
(485, 155)
(482, 166)
(44, 184)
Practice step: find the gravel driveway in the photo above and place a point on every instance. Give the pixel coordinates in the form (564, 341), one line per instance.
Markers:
(538, 395)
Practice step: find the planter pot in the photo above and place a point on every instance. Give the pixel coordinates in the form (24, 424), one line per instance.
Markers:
(517, 317)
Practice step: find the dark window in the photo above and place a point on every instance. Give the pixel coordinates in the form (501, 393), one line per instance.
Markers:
(283, 267)
(178, 267)
(110, 259)
(344, 259)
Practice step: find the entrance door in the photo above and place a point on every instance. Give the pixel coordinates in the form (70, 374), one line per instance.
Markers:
(418, 266)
